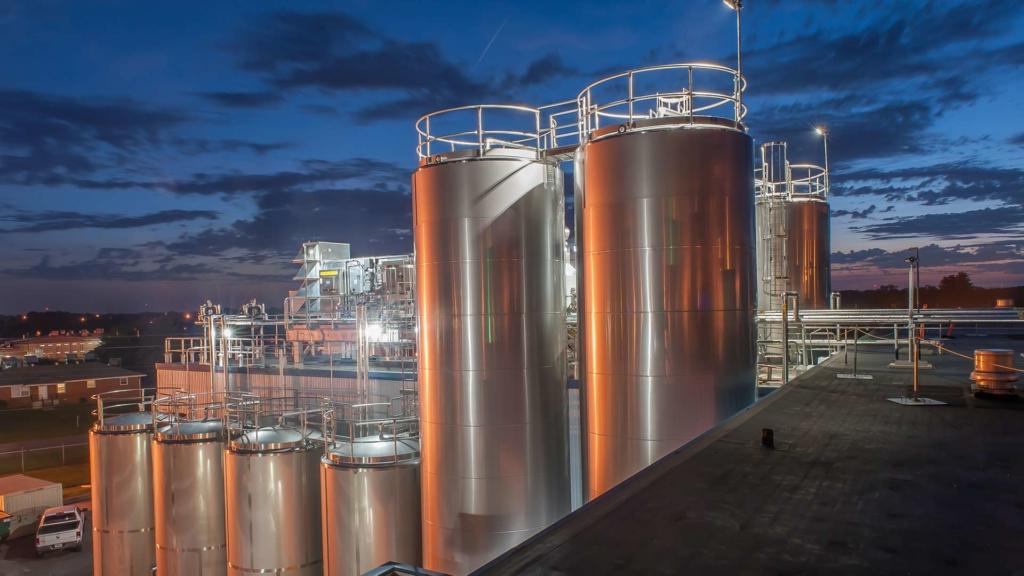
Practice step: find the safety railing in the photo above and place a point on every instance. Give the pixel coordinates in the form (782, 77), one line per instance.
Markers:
(350, 427)
(117, 402)
(186, 350)
(808, 181)
(698, 91)
(177, 406)
(246, 412)
(562, 124)
(479, 128)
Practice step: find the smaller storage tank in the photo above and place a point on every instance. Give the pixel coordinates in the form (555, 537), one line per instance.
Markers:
(271, 492)
(370, 483)
(793, 234)
(188, 487)
(122, 484)
(993, 372)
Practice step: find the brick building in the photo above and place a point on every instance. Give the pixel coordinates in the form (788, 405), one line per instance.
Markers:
(38, 386)
(54, 346)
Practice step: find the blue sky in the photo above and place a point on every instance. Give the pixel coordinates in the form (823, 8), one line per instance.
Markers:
(154, 155)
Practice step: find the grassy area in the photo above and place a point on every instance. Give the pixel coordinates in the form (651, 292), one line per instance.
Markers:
(13, 463)
(72, 477)
(68, 420)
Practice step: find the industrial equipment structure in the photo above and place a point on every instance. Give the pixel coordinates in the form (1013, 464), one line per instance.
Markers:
(370, 486)
(188, 485)
(120, 471)
(793, 250)
(348, 332)
(489, 235)
(415, 408)
(667, 263)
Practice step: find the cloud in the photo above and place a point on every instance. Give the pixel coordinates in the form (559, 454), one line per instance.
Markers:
(857, 214)
(949, 225)
(903, 44)
(51, 220)
(109, 264)
(308, 172)
(883, 80)
(987, 254)
(374, 220)
(1017, 139)
(938, 184)
(44, 138)
(49, 140)
(334, 52)
(256, 99)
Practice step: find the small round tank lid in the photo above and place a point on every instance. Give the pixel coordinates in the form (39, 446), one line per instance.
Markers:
(270, 439)
(190, 430)
(374, 451)
(127, 422)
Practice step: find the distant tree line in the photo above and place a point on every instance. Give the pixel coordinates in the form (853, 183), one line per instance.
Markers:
(953, 291)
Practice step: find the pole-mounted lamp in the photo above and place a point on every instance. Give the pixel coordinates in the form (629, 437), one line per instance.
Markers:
(737, 7)
(823, 132)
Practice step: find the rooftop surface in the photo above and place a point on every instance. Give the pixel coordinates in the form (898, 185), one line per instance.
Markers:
(855, 485)
(22, 483)
(58, 373)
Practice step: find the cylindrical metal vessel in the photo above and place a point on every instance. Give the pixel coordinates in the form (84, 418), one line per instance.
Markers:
(272, 503)
(490, 272)
(993, 371)
(668, 277)
(122, 495)
(808, 251)
(792, 230)
(188, 498)
(370, 505)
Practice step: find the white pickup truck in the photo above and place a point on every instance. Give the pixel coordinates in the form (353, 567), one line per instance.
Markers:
(60, 527)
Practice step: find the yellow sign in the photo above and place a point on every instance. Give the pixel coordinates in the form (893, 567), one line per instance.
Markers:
(328, 273)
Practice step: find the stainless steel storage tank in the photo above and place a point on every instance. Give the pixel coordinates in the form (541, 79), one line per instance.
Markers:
(188, 497)
(122, 485)
(370, 496)
(793, 235)
(668, 274)
(489, 235)
(272, 502)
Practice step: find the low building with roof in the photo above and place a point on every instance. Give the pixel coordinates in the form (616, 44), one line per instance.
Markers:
(39, 386)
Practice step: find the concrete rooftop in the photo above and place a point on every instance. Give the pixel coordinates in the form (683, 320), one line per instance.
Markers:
(854, 485)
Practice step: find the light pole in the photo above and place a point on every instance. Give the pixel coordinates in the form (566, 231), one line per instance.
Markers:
(823, 132)
(737, 6)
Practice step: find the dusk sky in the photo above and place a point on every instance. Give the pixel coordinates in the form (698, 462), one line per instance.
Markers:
(154, 155)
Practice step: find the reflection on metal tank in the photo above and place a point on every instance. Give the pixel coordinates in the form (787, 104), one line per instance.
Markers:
(668, 250)
(188, 490)
(272, 502)
(371, 496)
(489, 233)
(809, 252)
(122, 491)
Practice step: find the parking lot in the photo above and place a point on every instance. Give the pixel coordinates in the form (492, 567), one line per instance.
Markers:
(18, 557)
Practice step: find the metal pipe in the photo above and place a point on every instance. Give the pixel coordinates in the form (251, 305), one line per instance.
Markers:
(785, 329)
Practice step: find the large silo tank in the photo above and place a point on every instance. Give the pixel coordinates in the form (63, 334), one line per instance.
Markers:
(489, 235)
(188, 498)
(809, 251)
(122, 495)
(272, 503)
(668, 244)
(370, 504)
